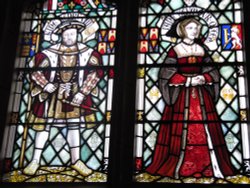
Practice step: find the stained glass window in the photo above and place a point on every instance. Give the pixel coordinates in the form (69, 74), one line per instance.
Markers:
(191, 124)
(59, 127)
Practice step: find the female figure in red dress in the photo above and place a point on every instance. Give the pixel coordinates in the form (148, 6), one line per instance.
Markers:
(190, 141)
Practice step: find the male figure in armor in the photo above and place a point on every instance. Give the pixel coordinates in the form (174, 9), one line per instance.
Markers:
(58, 95)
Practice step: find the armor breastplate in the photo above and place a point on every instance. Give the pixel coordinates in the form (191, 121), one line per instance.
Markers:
(67, 61)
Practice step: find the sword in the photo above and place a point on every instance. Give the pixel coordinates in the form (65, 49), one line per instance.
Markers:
(81, 105)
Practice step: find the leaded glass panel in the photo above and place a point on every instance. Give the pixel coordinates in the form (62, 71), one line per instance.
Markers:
(192, 110)
(59, 126)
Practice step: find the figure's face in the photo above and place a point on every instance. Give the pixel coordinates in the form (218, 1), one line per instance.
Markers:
(191, 30)
(69, 37)
(189, 2)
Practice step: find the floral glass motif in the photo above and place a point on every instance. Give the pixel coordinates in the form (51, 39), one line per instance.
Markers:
(59, 127)
(191, 124)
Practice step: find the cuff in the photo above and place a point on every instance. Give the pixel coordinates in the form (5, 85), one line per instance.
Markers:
(188, 82)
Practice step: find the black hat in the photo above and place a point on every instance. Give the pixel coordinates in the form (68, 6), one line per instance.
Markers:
(173, 30)
(69, 25)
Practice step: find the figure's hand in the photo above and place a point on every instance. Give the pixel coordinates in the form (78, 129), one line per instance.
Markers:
(65, 89)
(78, 98)
(197, 80)
(50, 88)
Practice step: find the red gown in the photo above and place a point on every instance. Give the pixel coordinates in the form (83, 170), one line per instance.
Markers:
(182, 148)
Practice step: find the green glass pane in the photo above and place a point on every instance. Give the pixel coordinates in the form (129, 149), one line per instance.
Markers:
(166, 9)
(224, 4)
(148, 128)
(49, 153)
(85, 152)
(176, 4)
(213, 8)
(94, 163)
(203, 3)
(227, 72)
(229, 15)
(156, 8)
(153, 73)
